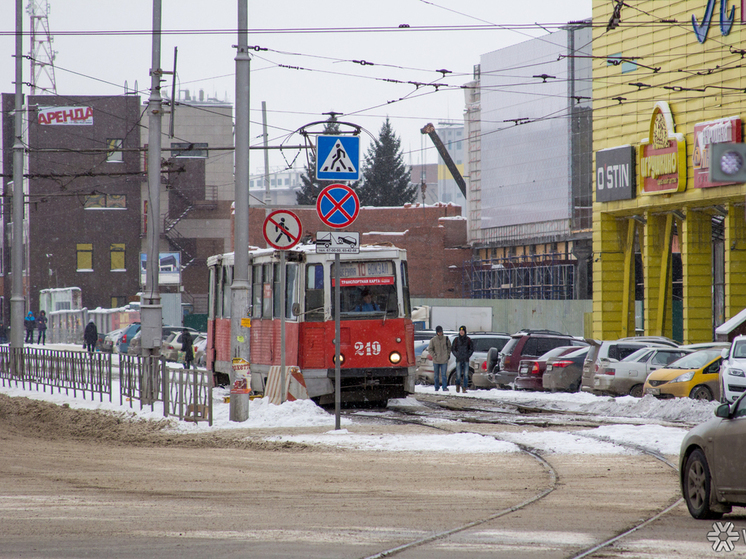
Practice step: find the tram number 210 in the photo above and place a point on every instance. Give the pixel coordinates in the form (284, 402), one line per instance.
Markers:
(368, 348)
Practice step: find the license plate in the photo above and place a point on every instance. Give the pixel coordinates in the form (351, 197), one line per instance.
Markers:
(524, 370)
(653, 391)
(549, 368)
(596, 381)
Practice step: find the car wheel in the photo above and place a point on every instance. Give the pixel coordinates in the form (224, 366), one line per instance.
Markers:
(700, 393)
(697, 485)
(636, 391)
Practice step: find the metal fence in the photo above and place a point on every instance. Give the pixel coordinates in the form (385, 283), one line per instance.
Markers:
(185, 393)
(75, 373)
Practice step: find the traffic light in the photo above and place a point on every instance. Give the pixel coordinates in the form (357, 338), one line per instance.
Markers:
(727, 162)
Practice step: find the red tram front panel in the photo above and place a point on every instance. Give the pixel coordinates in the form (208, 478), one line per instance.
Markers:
(364, 344)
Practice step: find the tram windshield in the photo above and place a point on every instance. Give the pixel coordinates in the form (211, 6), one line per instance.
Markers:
(367, 289)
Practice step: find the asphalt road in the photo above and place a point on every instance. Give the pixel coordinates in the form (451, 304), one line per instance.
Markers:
(80, 484)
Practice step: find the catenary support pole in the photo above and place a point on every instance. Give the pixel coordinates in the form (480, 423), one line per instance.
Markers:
(239, 406)
(151, 312)
(16, 298)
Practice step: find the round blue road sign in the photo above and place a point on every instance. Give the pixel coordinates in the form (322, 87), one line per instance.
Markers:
(337, 206)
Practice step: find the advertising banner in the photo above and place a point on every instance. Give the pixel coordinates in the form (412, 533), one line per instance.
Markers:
(69, 116)
(705, 134)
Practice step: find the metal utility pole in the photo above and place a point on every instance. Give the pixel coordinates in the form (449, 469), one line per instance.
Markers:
(239, 403)
(151, 311)
(16, 298)
(267, 195)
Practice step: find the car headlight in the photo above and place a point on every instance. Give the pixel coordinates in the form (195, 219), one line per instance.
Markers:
(395, 357)
(686, 377)
(736, 373)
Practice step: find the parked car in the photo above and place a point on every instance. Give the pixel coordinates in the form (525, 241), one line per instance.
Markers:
(696, 375)
(565, 372)
(481, 373)
(733, 370)
(109, 341)
(528, 344)
(172, 346)
(628, 375)
(531, 371)
(129, 332)
(200, 347)
(482, 341)
(135, 347)
(712, 475)
(603, 353)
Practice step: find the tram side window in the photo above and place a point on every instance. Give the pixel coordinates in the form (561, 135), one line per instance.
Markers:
(256, 291)
(211, 294)
(267, 291)
(314, 293)
(276, 290)
(226, 288)
(405, 290)
(291, 289)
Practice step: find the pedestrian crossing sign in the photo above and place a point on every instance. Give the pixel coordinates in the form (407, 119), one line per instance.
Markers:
(338, 158)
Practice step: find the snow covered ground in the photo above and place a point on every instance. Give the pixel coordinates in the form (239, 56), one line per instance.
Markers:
(293, 416)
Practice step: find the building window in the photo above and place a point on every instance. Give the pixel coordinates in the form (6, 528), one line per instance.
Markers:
(85, 257)
(186, 149)
(105, 202)
(114, 147)
(116, 251)
(118, 301)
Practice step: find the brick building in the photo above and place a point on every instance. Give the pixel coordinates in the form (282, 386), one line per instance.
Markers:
(434, 237)
(83, 197)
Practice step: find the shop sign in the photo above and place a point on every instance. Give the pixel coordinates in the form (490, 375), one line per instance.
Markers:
(726, 19)
(705, 134)
(615, 174)
(70, 116)
(662, 168)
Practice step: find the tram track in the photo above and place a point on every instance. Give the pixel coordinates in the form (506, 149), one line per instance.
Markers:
(536, 453)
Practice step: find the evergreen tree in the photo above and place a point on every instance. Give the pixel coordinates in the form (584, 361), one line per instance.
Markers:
(312, 187)
(387, 180)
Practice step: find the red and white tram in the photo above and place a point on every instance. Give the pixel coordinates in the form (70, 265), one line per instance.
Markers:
(376, 335)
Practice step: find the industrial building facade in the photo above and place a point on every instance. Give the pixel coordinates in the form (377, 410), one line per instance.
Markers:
(668, 82)
(529, 164)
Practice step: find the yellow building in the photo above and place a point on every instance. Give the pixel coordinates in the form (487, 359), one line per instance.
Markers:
(664, 90)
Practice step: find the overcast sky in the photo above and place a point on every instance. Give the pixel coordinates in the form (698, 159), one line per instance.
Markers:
(97, 51)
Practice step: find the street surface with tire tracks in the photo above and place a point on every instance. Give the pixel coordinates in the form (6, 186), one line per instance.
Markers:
(77, 483)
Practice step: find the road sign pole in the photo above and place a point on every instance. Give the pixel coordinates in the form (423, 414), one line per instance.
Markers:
(337, 373)
(283, 291)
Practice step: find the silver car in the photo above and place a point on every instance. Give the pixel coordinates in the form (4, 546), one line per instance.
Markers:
(628, 375)
(713, 478)
(733, 370)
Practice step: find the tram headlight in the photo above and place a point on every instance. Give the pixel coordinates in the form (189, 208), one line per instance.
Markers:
(395, 357)
(341, 359)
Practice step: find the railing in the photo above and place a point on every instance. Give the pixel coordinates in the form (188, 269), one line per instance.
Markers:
(185, 393)
(74, 372)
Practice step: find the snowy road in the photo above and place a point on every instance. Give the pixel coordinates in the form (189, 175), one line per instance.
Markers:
(128, 484)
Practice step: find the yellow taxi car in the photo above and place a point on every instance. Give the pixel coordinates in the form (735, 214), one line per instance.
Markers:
(695, 375)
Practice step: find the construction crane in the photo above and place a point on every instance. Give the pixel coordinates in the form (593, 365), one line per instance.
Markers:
(429, 129)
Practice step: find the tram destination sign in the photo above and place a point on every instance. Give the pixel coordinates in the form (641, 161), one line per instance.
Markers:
(335, 242)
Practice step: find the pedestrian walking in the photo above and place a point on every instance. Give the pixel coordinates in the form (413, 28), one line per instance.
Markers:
(439, 349)
(41, 326)
(90, 337)
(29, 323)
(462, 349)
(186, 346)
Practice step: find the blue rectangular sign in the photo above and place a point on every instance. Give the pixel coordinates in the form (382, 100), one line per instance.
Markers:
(338, 158)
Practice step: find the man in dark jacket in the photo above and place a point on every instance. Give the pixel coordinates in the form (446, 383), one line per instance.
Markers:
(90, 336)
(186, 345)
(41, 326)
(462, 349)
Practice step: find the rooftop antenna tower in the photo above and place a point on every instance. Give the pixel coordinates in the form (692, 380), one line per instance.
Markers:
(41, 53)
